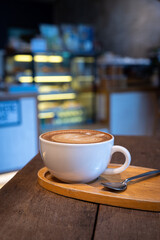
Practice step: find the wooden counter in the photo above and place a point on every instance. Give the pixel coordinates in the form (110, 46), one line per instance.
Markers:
(129, 110)
(27, 211)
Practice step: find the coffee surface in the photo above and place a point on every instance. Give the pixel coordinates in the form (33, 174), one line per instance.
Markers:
(76, 136)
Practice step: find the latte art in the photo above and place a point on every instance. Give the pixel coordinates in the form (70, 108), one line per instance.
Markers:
(76, 136)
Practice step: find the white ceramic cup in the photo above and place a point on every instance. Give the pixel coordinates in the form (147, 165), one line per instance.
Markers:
(81, 162)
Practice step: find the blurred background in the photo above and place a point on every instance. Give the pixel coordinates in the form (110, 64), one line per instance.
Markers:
(91, 64)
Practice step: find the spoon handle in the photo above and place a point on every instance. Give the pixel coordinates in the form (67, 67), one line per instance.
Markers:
(143, 175)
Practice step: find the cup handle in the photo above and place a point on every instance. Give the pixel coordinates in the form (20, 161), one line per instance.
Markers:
(127, 155)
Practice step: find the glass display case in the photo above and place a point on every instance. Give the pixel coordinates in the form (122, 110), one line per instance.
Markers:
(18, 68)
(65, 84)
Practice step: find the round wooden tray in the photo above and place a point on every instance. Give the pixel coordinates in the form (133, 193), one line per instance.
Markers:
(141, 194)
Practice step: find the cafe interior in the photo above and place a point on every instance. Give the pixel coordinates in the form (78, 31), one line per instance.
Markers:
(83, 65)
(76, 65)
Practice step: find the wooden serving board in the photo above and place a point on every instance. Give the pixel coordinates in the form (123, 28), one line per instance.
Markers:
(141, 194)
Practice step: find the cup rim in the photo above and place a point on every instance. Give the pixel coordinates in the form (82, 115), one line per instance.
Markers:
(76, 144)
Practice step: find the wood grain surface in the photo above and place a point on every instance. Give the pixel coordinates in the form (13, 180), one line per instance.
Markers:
(120, 223)
(27, 211)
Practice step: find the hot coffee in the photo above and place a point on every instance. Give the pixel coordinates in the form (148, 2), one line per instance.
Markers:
(77, 136)
(80, 155)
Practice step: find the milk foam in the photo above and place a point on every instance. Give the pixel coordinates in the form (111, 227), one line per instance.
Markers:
(77, 137)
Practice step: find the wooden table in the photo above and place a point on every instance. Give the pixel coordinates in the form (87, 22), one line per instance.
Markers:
(27, 211)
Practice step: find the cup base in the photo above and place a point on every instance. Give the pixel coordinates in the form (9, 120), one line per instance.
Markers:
(72, 181)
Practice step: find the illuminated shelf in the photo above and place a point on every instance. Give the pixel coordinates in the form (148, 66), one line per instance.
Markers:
(52, 79)
(45, 115)
(48, 88)
(71, 113)
(42, 106)
(67, 114)
(61, 96)
(38, 58)
(45, 79)
(25, 79)
(48, 58)
(23, 58)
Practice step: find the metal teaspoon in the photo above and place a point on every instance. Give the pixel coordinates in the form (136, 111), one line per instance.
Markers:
(121, 186)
